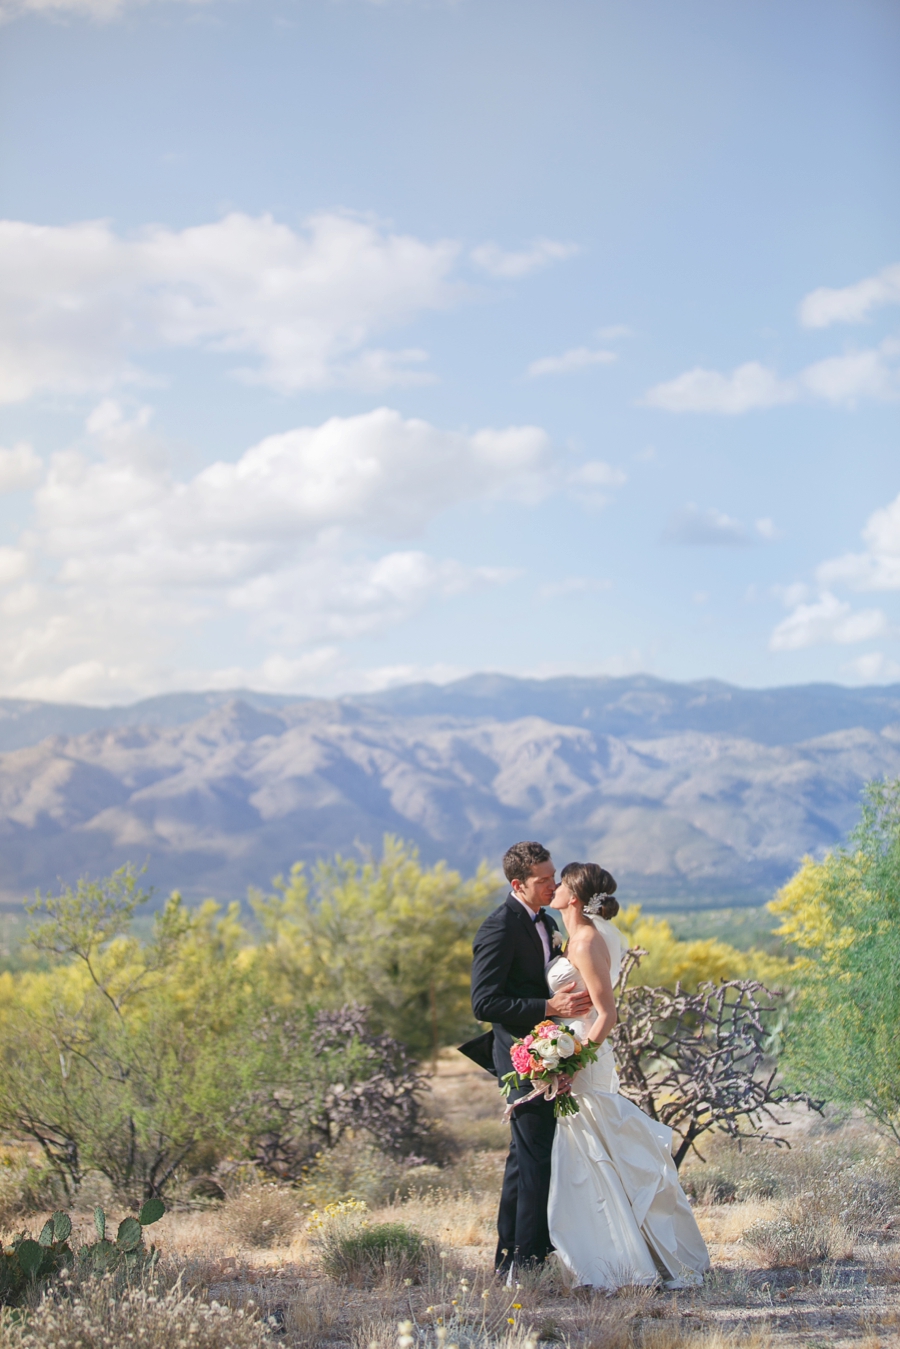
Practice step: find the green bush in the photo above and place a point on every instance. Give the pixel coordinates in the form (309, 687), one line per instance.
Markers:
(371, 1254)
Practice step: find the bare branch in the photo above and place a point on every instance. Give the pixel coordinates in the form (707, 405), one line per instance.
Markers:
(698, 1061)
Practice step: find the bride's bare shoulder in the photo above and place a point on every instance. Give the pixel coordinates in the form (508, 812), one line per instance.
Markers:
(588, 943)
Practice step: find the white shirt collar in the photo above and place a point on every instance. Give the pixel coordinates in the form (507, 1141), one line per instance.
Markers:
(531, 913)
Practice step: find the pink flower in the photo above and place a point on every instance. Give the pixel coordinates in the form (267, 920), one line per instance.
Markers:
(521, 1059)
(529, 1040)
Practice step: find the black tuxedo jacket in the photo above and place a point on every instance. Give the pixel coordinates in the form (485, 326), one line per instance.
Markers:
(509, 987)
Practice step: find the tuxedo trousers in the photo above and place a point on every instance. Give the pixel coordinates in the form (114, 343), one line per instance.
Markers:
(522, 1225)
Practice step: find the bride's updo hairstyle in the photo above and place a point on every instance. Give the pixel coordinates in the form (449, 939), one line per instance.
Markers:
(594, 886)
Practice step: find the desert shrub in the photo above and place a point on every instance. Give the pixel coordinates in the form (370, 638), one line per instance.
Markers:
(855, 1181)
(325, 1076)
(369, 1254)
(482, 1135)
(141, 1059)
(261, 1215)
(310, 1317)
(352, 1170)
(710, 1187)
(699, 1062)
(25, 1188)
(800, 1238)
(671, 1334)
(142, 1318)
(475, 1173)
(120, 1057)
(360, 1170)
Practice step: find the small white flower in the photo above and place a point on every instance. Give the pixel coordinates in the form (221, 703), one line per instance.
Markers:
(565, 1044)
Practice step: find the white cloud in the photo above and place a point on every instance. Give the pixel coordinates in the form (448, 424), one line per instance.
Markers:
(20, 468)
(827, 619)
(878, 566)
(857, 375)
(851, 304)
(767, 529)
(872, 668)
(797, 592)
(349, 596)
(698, 390)
(592, 482)
(13, 564)
(300, 309)
(872, 373)
(696, 528)
(506, 265)
(597, 473)
(125, 564)
(88, 9)
(99, 10)
(579, 358)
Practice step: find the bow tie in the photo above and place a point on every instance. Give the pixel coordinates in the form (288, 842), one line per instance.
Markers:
(537, 917)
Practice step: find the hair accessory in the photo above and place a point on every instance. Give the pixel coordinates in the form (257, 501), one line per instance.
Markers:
(594, 905)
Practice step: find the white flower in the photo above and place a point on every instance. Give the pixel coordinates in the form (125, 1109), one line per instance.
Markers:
(550, 1061)
(565, 1044)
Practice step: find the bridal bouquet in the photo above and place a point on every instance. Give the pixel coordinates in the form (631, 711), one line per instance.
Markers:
(550, 1057)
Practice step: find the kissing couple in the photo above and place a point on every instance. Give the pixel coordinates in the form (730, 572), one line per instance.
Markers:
(599, 1187)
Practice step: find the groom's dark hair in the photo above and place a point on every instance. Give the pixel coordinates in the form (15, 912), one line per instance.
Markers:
(521, 858)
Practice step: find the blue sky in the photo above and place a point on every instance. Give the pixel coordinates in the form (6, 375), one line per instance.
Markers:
(345, 343)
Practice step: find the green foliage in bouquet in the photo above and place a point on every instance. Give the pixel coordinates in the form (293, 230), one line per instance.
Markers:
(26, 1262)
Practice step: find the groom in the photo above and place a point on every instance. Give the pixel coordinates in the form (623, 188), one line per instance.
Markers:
(509, 989)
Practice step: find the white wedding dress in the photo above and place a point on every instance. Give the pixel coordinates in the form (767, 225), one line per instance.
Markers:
(617, 1212)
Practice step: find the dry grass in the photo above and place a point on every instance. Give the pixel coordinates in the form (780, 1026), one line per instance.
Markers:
(816, 1294)
(262, 1216)
(140, 1319)
(460, 1221)
(25, 1187)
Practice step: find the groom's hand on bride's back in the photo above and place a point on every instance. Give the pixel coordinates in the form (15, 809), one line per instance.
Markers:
(567, 1003)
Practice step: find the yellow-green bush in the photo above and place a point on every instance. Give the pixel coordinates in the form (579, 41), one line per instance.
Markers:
(670, 961)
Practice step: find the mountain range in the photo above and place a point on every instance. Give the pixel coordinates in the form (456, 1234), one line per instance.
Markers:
(692, 794)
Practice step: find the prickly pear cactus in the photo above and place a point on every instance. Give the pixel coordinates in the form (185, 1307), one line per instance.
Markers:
(128, 1249)
(26, 1262)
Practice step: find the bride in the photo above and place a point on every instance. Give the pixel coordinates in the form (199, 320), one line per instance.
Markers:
(617, 1212)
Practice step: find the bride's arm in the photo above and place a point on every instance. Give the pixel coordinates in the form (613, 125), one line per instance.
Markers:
(590, 957)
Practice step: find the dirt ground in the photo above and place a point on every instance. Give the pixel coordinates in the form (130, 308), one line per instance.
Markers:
(851, 1297)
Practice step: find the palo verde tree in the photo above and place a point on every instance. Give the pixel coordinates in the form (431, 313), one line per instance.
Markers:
(843, 916)
(389, 934)
(121, 1056)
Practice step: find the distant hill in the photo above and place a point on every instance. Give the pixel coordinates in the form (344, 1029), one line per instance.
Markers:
(629, 706)
(692, 794)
